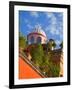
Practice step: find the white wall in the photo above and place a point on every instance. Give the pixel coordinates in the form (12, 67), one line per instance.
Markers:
(4, 44)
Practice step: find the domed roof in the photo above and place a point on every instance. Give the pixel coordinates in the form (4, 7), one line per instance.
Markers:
(39, 30)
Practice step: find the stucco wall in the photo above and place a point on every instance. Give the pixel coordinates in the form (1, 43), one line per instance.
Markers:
(35, 35)
(57, 58)
(25, 71)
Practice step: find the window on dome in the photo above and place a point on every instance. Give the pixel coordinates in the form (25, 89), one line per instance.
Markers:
(32, 40)
(39, 40)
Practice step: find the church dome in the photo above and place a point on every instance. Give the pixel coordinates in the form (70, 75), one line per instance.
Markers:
(37, 36)
(39, 30)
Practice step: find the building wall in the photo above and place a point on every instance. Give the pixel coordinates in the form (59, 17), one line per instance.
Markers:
(25, 71)
(57, 58)
(61, 65)
(44, 39)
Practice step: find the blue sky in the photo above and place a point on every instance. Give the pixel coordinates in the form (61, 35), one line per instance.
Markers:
(50, 22)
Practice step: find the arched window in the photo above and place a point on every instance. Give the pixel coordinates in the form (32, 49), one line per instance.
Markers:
(32, 39)
(39, 40)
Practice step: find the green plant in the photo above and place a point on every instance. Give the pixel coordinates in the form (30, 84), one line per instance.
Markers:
(22, 41)
(55, 69)
(37, 54)
(51, 44)
(49, 68)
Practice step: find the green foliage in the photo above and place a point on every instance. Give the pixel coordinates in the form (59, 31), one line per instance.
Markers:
(41, 58)
(51, 43)
(49, 68)
(22, 41)
(54, 44)
(44, 61)
(54, 69)
(44, 64)
(37, 54)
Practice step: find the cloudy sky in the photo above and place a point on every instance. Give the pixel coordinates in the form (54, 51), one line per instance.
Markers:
(50, 22)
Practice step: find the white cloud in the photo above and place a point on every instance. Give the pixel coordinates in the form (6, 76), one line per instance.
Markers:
(60, 15)
(53, 23)
(53, 31)
(55, 27)
(49, 14)
(47, 28)
(28, 31)
(28, 23)
(58, 42)
(53, 20)
(33, 13)
(29, 26)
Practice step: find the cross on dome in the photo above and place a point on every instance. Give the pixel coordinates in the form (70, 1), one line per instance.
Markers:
(38, 27)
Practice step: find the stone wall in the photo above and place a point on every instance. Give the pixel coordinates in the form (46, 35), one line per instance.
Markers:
(57, 58)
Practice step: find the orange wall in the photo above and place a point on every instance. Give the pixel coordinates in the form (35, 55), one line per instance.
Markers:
(25, 71)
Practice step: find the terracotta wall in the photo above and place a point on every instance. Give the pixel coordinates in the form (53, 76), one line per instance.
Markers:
(25, 71)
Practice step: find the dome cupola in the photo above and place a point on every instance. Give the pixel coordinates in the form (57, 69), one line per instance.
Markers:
(39, 30)
(37, 36)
